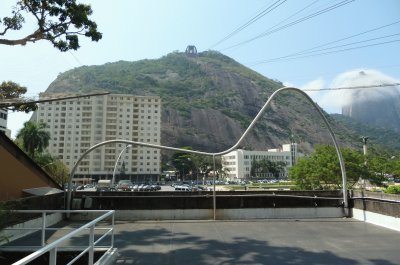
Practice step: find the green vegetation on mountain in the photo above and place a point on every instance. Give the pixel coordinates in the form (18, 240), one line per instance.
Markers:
(208, 101)
(383, 137)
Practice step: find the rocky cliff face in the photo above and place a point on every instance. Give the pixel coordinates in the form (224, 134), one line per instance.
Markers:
(380, 112)
(208, 101)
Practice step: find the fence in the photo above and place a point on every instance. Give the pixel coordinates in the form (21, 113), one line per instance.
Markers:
(93, 244)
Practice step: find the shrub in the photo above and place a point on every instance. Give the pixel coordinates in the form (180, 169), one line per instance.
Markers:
(393, 189)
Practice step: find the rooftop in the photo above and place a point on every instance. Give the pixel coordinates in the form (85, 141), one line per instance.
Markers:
(304, 241)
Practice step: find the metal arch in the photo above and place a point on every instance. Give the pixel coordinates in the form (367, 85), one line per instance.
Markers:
(259, 114)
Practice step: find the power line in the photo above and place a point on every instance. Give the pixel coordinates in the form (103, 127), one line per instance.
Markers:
(325, 44)
(271, 31)
(350, 87)
(315, 52)
(22, 101)
(269, 9)
(337, 51)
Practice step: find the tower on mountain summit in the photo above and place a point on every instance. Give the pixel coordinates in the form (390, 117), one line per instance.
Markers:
(191, 50)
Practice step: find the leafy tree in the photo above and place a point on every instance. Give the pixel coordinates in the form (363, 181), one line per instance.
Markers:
(321, 170)
(58, 171)
(10, 90)
(122, 171)
(34, 137)
(396, 168)
(202, 164)
(60, 22)
(381, 165)
(182, 162)
(267, 166)
(53, 166)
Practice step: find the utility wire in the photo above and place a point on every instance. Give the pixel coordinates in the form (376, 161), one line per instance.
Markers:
(269, 9)
(315, 52)
(269, 32)
(336, 51)
(350, 87)
(328, 43)
(293, 15)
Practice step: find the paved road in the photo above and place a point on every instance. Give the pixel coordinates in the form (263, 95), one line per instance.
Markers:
(275, 242)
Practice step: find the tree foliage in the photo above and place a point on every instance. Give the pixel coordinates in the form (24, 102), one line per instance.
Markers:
(383, 165)
(60, 22)
(34, 138)
(9, 91)
(321, 170)
(57, 170)
(266, 166)
(182, 162)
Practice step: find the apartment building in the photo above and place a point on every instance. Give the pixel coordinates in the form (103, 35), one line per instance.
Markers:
(238, 162)
(77, 124)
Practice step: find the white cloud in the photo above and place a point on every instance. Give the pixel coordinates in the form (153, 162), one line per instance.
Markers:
(333, 100)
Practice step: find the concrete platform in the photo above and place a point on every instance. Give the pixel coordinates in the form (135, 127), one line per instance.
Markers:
(312, 242)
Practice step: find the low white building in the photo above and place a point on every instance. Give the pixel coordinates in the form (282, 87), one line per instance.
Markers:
(237, 164)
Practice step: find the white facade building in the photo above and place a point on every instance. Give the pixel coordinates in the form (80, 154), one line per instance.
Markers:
(3, 122)
(77, 124)
(238, 163)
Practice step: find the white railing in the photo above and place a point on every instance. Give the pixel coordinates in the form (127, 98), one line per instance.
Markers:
(91, 246)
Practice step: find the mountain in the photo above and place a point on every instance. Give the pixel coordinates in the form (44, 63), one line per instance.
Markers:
(379, 111)
(208, 101)
(383, 137)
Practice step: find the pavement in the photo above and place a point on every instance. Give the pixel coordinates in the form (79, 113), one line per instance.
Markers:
(332, 241)
(294, 242)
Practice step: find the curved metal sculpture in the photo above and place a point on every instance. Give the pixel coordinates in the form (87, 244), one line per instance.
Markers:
(259, 114)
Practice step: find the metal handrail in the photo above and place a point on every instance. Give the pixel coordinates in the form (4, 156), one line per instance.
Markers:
(52, 247)
(376, 199)
(249, 128)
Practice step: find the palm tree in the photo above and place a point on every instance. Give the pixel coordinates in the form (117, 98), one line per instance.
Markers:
(34, 137)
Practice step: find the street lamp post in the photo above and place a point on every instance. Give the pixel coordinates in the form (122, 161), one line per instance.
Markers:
(116, 163)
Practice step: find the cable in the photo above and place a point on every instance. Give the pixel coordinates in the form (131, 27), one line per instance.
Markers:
(269, 32)
(328, 43)
(269, 9)
(310, 53)
(351, 87)
(337, 51)
(76, 59)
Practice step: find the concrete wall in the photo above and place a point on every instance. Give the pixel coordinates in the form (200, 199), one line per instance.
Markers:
(229, 205)
(383, 210)
(19, 172)
(20, 230)
(48, 202)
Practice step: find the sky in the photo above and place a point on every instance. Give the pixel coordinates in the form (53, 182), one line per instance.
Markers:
(332, 40)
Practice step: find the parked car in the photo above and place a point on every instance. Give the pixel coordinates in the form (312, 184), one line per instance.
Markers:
(155, 187)
(182, 188)
(103, 185)
(124, 185)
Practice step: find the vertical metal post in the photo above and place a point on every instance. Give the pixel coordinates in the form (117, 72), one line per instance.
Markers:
(116, 163)
(214, 192)
(53, 256)
(91, 245)
(112, 233)
(43, 229)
